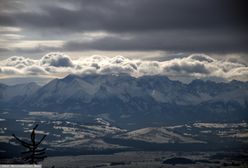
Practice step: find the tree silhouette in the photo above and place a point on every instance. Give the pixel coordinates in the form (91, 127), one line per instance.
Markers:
(33, 153)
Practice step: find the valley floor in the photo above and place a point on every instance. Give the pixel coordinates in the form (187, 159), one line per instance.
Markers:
(151, 160)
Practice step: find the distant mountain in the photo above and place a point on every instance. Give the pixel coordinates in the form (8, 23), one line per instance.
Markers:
(143, 100)
(16, 95)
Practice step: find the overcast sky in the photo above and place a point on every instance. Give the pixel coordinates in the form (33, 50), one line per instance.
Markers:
(157, 30)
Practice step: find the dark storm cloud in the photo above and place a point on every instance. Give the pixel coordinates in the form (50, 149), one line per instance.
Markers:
(6, 20)
(203, 41)
(213, 26)
(3, 50)
(138, 15)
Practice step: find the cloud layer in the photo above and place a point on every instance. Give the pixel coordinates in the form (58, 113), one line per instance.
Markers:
(190, 26)
(58, 65)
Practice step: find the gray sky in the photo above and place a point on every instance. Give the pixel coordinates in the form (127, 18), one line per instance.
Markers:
(137, 29)
(208, 26)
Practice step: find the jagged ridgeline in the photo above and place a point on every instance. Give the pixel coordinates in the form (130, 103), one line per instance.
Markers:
(153, 98)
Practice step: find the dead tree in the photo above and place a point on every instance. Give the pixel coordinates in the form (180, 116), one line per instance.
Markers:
(33, 153)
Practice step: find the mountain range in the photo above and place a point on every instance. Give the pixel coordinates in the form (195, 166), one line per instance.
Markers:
(146, 100)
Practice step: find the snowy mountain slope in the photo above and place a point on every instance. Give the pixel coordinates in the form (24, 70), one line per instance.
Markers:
(124, 87)
(18, 93)
(151, 98)
(61, 90)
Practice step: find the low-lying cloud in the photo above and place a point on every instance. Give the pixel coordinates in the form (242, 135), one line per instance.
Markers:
(56, 60)
(58, 65)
